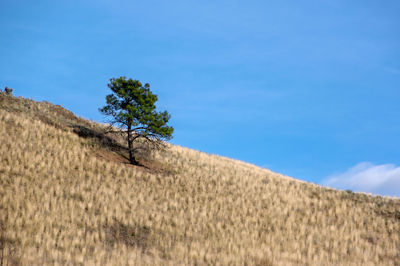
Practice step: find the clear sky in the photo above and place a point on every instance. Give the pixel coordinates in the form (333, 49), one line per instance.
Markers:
(310, 89)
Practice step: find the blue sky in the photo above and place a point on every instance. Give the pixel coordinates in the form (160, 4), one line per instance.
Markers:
(310, 89)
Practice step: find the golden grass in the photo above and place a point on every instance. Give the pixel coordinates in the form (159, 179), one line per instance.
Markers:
(61, 204)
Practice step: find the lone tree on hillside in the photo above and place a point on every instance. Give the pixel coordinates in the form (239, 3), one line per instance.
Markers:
(132, 108)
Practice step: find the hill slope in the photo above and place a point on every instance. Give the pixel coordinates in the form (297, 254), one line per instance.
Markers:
(68, 196)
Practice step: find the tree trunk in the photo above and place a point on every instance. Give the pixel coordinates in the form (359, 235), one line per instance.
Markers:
(132, 158)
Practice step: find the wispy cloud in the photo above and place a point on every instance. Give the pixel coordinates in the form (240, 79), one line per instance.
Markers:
(366, 177)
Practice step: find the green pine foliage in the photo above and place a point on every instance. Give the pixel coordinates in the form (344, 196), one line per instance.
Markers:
(132, 108)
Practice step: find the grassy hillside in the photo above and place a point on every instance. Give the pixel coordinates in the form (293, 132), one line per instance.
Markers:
(68, 196)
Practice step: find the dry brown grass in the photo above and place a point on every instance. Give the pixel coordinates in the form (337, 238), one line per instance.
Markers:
(60, 203)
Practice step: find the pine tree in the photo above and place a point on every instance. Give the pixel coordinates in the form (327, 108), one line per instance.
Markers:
(132, 108)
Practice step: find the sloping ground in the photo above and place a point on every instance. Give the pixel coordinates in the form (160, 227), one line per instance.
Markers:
(61, 203)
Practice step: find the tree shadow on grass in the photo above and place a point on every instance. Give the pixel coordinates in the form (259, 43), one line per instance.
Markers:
(100, 138)
(112, 150)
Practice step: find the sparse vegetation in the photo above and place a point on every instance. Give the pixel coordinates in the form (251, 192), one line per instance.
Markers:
(7, 91)
(63, 203)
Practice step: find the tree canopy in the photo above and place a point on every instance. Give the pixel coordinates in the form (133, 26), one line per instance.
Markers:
(132, 108)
